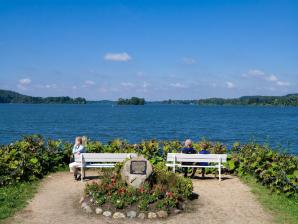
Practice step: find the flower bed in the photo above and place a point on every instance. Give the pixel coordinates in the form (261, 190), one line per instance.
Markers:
(164, 191)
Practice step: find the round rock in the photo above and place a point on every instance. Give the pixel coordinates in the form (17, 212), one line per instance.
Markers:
(88, 209)
(136, 171)
(118, 215)
(152, 215)
(98, 211)
(131, 214)
(107, 213)
(162, 214)
(142, 216)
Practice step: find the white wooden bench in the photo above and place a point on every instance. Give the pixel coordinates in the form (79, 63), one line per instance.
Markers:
(179, 159)
(100, 160)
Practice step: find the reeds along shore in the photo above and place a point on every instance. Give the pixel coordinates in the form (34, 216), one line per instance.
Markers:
(33, 157)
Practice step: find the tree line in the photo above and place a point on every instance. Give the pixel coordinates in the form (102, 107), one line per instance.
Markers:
(7, 96)
(287, 100)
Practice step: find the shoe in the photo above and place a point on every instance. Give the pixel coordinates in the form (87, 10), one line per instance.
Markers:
(78, 177)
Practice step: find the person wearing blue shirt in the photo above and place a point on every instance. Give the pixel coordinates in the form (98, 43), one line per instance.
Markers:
(204, 151)
(188, 149)
(76, 150)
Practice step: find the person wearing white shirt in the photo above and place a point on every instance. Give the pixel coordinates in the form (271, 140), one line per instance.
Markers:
(76, 150)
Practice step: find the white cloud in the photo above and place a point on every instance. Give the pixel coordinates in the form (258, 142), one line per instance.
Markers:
(178, 85)
(117, 57)
(280, 83)
(127, 84)
(189, 61)
(254, 73)
(272, 78)
(267, 77)
(50, 86)
(74, 87)
(23, 83)
(89, 82)
(230, 85)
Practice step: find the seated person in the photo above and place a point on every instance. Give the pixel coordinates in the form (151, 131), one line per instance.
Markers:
(77, 149)
(204, 151)
(188, 149)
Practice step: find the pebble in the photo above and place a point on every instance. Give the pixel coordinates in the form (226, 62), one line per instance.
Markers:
(162, 214)
(118, 215)
(83, 205)
(131, 214)
(177, 211)
(88, 209)
(98, 211)
(142, 216)
(107, 213)
(152, 215)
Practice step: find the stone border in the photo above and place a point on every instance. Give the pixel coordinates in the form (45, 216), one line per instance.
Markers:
(162, 214)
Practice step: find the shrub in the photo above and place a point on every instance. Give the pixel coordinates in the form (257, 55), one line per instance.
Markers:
(31, 159)
(278, 171)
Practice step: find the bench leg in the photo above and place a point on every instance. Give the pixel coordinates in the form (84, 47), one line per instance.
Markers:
(82, 173)
(219, 173)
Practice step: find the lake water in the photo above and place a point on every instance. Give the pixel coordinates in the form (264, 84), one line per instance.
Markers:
(276, 125)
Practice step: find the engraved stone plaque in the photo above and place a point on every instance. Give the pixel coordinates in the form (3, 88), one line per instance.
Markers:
(138, 167)
(136, 171)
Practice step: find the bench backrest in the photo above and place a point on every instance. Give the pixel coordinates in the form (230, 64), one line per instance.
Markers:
(104, 157)
(194, 158)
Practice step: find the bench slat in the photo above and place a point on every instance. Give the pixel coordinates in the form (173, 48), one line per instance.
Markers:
(104, 157)
(180, 157)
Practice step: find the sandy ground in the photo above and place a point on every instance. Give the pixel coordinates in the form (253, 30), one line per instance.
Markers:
(228, 201)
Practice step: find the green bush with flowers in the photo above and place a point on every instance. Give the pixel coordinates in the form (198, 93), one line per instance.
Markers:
(33, 157)
(163, 190)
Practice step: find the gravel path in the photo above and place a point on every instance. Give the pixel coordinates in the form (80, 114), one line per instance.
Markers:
(229, 201)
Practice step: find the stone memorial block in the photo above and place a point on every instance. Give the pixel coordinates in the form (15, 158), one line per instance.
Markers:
(136, 171)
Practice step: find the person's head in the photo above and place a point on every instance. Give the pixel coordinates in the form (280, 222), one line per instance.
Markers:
(188, 143)
(204, 145)
(79, 140)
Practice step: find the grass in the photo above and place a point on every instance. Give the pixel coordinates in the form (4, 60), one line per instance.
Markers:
(284, 209)
(14, 198)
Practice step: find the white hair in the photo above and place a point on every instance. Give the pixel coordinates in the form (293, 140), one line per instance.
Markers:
(187, 143)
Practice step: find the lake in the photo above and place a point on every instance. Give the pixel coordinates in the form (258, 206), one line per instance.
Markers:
(228, 124)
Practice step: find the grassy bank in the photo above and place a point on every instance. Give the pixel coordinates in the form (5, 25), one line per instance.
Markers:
(283, 208)
(15, 197)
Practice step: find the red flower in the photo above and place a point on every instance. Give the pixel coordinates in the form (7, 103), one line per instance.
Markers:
(169, 194)
(142, 190)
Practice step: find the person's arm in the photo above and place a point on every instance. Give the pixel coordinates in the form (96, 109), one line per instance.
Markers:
(81, 149)
(78, 149)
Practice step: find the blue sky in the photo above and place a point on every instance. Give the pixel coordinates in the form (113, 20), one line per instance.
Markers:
(152, 49)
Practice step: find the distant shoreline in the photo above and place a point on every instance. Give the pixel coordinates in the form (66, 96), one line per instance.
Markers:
(11, 97)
